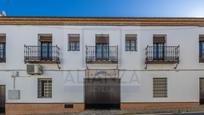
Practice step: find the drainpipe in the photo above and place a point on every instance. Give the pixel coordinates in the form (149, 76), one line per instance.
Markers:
(14, 79)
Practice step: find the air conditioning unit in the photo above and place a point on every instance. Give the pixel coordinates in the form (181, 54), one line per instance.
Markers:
(34, 69)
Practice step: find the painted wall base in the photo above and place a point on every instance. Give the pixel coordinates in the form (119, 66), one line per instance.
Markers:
(159, 105)
(25, 109)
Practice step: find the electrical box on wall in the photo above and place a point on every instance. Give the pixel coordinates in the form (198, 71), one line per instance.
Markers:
(14, 94)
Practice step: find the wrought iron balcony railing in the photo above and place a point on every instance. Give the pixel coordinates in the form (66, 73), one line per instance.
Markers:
(102, 54)
(162, 54)
(41, 54)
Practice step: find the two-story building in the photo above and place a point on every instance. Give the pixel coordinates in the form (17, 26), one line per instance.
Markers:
(71, 64)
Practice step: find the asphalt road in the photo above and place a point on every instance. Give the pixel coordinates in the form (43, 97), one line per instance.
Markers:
(113, 113)
(198, 113)
(190, 113)
(118, 113)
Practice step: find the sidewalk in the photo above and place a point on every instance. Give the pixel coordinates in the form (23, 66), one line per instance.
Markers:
(189, 111)
(192, 111)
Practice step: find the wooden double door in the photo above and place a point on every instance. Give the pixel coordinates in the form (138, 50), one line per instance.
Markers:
(102, 93)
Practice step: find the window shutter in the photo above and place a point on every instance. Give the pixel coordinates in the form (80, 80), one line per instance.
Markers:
(102, 38)
(3, 38)
(130, 37)
(45, 38)
(159, 39)
(74, 37)
(201, 38)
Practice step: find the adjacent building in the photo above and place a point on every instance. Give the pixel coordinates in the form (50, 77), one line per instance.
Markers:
(71, 64)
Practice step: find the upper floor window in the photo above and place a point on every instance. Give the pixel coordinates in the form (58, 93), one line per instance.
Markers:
(159, 87)
(131, 42)
(201, 48)
(102, 48)
(2, 48)
(44, 87)
(45, 46)
(159, 47)
(74, 42)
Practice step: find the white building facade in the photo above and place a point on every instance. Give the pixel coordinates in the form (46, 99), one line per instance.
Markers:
(57, 65)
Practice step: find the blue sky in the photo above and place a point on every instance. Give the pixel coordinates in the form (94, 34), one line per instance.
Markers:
(104, 8)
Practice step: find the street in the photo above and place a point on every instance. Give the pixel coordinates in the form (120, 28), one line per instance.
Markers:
(112, 112)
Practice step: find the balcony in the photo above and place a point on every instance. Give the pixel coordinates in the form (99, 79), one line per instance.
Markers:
(102, 54)
(42, 54)
(162, 55)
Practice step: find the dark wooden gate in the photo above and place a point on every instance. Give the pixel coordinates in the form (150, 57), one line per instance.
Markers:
(102, 93)
(2, 98)
(201, 90)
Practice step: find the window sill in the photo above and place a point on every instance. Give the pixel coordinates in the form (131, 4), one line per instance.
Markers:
(160, 97)
(131, 51)
(73, 50)
(44, 97)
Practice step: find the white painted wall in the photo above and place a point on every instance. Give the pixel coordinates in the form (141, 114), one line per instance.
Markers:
(183, 85)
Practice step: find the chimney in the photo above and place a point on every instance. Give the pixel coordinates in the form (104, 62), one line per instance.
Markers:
(3, 13)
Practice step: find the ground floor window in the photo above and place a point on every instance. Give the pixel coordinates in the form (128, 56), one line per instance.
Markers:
(159, 87)
(44, 88)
